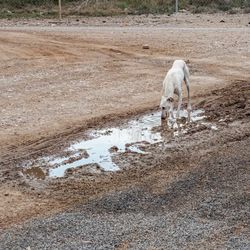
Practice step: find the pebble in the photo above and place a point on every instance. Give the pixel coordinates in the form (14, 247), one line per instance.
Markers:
(145, 46)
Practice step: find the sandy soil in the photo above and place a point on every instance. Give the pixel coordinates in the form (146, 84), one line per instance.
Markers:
(59, 79)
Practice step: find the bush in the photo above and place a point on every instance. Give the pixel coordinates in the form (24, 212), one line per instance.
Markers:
(18, 4)
(110, 7)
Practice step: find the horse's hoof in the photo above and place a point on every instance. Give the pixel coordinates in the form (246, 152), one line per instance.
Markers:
(163, 115)
(181, 119)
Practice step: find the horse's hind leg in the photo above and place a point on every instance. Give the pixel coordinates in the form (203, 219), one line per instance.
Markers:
(189, 107)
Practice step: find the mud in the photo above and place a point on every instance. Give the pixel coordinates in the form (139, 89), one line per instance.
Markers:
(36, 172)
(130, 137)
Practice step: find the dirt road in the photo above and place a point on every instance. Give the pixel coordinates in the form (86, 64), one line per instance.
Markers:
(57, 81)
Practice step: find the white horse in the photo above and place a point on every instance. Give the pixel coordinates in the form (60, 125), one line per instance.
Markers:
(172, 84)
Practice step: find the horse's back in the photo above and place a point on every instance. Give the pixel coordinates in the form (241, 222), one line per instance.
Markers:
(179, 64)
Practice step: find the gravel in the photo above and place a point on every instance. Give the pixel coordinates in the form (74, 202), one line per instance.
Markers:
(206, 209)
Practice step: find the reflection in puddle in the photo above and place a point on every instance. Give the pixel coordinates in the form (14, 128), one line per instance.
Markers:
(99, 148)
(131, 137)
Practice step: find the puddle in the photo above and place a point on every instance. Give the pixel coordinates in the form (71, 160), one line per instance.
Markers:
(101, 147)
(106, 142)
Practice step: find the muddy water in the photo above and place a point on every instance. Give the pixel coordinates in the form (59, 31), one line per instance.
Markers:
(107, 142)
(36, 172)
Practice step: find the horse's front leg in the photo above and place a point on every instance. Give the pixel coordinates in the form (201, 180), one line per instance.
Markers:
(171, 111)
(179, 105)
(163, 113)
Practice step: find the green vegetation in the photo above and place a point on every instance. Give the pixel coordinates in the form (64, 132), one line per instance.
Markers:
(27, 8)
(36, 8)
(215, 5)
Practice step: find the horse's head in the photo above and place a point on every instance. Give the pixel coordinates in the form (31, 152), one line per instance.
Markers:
(166, 105)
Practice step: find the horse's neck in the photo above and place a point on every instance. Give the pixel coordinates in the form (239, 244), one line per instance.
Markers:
(169, 91)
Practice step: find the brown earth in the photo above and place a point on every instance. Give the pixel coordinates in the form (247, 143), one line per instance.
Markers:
(57, 81)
